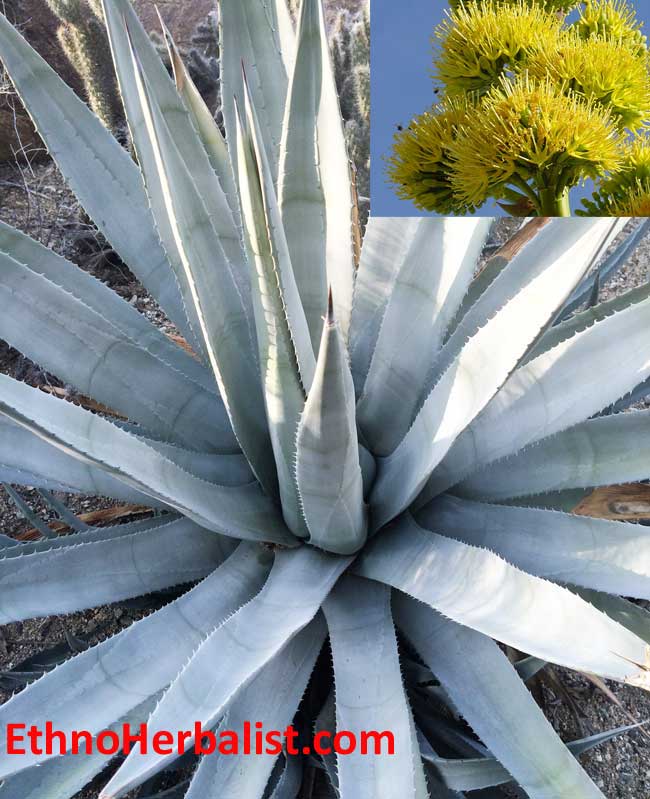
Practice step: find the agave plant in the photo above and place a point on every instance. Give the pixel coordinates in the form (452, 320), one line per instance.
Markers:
(340, 446)
(533, 100)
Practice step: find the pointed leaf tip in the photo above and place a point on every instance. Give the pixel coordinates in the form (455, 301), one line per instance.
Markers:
(642, 678)
(172, 51)
(330, 307)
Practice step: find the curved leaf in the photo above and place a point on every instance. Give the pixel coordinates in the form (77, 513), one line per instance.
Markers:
(255, 34)
(290, 780)
(26, 459)
(100, 298)
(386, 247)
(240, 511)
(97, 168)
(478, 677)
(609, 266)
(585, 319)
(495, 265)
(205, 124)
(225, 470)
(605, 451)
(628, 614)
(272, 699)
(67, 579)
(555, 391)
(90, 535)
(605, 555)
(476, 588)
(74, 336)
(422, 301)
(326, 722)
(241, 646)
(481, 367)
(285, 351)
(126, 33)
(470, 774)
(65, 776)
(575, 243)
(208, 259)
(98, 686)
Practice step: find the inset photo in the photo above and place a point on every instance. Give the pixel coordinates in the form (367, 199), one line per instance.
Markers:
(510, 107)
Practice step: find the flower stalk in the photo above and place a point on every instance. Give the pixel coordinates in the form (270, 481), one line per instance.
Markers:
(553, 204)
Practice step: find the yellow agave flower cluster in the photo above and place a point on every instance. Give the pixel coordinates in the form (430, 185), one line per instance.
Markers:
(614, 20)
(626, 192)
(420, 171)
(534, 102)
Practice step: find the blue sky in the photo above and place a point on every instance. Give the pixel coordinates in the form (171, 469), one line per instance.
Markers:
(401, 86)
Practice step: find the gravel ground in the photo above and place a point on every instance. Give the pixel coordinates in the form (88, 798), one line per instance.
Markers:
(635, 272)
(37, 201)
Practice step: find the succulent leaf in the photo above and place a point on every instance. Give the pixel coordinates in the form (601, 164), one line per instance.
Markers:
(471, 774)
(241, 646)
(571, 549)
(432, 380)
(314, 185)
(605, 451)
(211, 282)
(74, 331)
(576, 244)
(272, 699)
(529, 749)
(104, 171)
(582, 320)
(139, 65)
(290, 780)
(529, 302)
(205, 124)
(97, 441)
(269, 251)
(485, 593)
(328, 472)
(65, 580)
(369, 689)
(285, 350)
(628, 614)
(609, 266)
(65, 776)
(121, 672)
(386, 246)
(555, 403)
(423, 299)
(257, 36)
(27, 459)
(15, 548)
